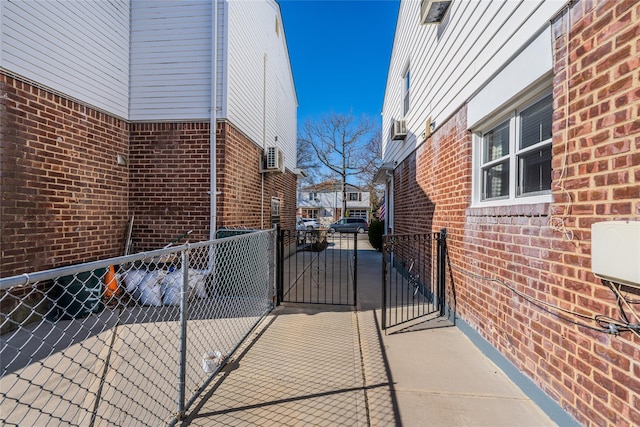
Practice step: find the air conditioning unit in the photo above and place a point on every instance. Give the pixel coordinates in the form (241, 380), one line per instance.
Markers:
(273, 160)
(398, 130)
(433, 11)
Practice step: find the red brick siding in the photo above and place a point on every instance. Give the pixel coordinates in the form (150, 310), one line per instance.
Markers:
(170, 180)
(592, 375)
(66, 201)
(64, 198)
(241, 185)
(599, 70)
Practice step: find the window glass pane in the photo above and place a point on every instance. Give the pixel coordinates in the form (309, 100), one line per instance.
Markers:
(407, 86)
(536, 122)
(535, 171)
(496, 142)
(496, 181)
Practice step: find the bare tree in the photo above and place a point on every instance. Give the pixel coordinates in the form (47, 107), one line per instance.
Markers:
(374, 147)
(307, 161)
(341, 144)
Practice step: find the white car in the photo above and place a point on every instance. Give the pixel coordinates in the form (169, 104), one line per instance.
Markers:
(304, 226)
(310, 224)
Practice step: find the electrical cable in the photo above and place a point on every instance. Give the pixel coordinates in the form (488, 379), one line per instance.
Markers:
(558, 222)
(623, 301)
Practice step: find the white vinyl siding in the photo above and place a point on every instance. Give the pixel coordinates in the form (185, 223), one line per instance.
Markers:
(170, 60)
(79, 48)
(452, 61)
(260, 94)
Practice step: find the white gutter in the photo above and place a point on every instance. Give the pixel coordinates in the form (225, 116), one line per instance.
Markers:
(213, 191)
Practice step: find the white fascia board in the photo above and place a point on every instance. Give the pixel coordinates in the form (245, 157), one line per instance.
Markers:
(521, 72)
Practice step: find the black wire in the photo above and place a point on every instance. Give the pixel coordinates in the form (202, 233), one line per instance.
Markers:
(618, 299)
(607, 324)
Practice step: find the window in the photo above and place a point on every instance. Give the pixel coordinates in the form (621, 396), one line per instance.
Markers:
(358, 213)
(515, 154)
(406, 85)
(313, 196)
(355, 197)
(310, 213)
(275, 211)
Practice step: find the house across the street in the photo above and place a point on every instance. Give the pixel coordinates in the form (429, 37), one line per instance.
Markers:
(323, 202)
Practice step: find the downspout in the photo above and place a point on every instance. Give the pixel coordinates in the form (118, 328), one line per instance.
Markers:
(388, 190)
(264, 132)
(213, 190)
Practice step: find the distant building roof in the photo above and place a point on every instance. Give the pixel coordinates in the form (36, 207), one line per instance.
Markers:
(330, 185)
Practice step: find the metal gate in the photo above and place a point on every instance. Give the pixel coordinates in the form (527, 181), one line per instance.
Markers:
(414, 271)
(317, 267)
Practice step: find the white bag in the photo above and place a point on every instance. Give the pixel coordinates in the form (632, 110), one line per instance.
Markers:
(132, 280)
(151, 288)
(197, 282)
(172, 285)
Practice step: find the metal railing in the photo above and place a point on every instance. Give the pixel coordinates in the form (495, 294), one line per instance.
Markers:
(414, 271)
(319, 267)
(131, 340)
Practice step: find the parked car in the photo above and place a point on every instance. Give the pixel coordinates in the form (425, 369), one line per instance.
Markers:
(349, 225)
(311, 224)
(306, 224)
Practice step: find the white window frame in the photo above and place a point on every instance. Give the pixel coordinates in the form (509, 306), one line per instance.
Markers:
(511, 114)
(275, 207)
(310, 213)
(406, 90)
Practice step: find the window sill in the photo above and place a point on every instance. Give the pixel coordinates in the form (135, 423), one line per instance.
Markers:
(529, 209)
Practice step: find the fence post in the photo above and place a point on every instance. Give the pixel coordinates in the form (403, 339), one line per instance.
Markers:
(184, 316)
(442, 265)
(384, 282)
(355, 268)
(280, 264)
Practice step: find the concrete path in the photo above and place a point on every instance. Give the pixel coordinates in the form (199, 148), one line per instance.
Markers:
(329, 365)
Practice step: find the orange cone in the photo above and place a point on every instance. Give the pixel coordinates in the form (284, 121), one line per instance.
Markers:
(110, 283)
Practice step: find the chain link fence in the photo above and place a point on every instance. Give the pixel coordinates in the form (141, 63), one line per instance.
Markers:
(131, 340)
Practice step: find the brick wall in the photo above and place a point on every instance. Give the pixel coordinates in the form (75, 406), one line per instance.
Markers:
(544, 251)
(64, 198)
(169, 183)
(169, 165)
(241, 203)
(598, 376)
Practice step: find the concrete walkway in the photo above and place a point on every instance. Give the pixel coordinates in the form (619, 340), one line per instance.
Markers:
(329, 365)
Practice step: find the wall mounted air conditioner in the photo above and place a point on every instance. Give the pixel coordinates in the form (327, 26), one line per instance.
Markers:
(398, 130)
(433, 11)
(615, 251)
(273, 160)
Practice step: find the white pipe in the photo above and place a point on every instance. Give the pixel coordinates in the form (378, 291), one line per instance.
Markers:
(264, 133)
(213, 190)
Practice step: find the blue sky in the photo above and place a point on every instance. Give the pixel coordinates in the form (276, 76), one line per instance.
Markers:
(339, 52)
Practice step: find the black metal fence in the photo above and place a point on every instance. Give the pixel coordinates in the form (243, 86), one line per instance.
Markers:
(317, 267)
(414, 271)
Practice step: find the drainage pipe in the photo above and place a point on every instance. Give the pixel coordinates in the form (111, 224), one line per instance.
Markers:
(213, 193)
